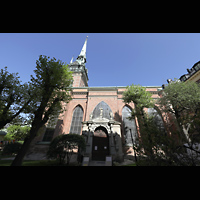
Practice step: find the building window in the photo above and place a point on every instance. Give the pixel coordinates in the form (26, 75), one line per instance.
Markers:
(48, 134)
(106, 110)
(130, 131)
(76, 120)
(197, 67)
(157, 119)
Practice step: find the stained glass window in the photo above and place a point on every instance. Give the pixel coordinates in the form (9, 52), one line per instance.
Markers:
(76, 120)
(106, 110)
(130, 131)
(157, 118)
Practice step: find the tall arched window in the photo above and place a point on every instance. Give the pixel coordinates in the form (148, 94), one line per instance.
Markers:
(130, 131)
(157, 119)
(76, 120)
(106, 110)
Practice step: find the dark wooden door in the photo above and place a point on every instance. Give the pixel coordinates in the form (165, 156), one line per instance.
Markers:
(100, 146)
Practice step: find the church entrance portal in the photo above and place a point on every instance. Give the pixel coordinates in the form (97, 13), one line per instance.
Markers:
(100, 145)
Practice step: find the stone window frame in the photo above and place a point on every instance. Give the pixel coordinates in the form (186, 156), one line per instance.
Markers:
(77, 118)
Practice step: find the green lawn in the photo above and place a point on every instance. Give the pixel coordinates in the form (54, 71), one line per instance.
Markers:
(36, 163)
(133, 164)
(31, 163)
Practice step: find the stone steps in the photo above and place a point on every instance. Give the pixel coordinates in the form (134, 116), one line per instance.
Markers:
(97, 163)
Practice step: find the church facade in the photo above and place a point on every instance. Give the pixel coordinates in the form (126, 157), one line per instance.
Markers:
(99, 114)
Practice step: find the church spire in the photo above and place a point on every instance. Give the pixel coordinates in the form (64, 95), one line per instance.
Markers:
(72, 60)
(82, 56)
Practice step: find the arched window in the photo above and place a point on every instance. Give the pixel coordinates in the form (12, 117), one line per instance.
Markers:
(106, 110)
(157, 118)
(130, 131)
(76, 120)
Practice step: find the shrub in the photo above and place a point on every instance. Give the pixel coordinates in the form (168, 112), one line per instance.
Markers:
(12, 148)
(63, 145)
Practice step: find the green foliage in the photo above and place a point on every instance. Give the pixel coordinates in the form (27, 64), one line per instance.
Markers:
(155, 147)
(50, 91)
(140, 97)
(16, 132)
(14, 97)
(11, 148)
(183, 96)
(182, 99)
(50, 87)
(63, 145)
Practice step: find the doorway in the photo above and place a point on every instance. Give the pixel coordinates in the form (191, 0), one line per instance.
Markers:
(100, 145)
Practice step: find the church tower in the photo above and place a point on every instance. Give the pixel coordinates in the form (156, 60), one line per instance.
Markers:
(80, 72)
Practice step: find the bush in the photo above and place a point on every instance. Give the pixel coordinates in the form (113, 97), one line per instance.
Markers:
(63, 145)
(16, 132)
(12, 148)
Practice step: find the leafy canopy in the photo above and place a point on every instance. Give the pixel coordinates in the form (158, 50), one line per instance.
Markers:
(14, 97)
(50, 87)
(50, 91)
(183, 96)
(63, 145)
(16, 132)
(140, 97)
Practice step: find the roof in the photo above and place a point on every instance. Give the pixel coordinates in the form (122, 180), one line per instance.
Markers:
(111, 87)
(195, 68)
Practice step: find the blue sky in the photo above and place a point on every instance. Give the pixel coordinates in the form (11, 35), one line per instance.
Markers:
(113, 59)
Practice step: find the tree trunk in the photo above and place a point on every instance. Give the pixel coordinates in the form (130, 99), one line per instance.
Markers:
(185, 131)
(22, 152)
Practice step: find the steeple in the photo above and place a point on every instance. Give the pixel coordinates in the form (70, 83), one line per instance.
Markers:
(81, 59)
(80, 72)
(72, 60)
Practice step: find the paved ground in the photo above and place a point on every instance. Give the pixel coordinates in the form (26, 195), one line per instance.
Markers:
(102, 163)
(10, 158)
(97, 163)
(126, 162)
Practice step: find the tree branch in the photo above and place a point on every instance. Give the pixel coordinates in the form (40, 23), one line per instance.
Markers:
(49, 111)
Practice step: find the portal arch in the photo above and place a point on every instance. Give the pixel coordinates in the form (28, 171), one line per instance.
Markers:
(100, 144)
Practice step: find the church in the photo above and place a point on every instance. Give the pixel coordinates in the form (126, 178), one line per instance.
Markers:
(97, 113)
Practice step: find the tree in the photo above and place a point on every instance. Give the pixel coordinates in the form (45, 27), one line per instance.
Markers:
(141, 99)
(182, 100)
(14, 97)
(50, 89)
(11, 148)
(154, 145)
(16, 132)
(64, 145)
(139, 96)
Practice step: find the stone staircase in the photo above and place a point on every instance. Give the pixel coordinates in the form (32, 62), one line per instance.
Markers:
(97, 163)
(88, 162)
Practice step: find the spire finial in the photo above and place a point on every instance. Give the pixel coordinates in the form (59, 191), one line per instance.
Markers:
(82, 56)
(72, 59)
